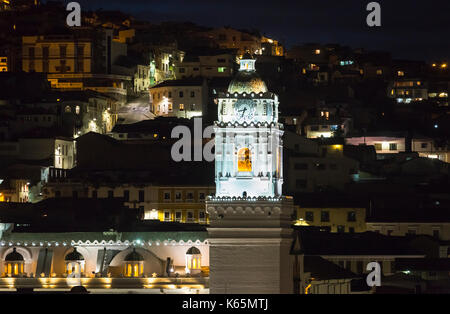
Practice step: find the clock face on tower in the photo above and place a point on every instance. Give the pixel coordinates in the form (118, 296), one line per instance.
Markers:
(244, 110)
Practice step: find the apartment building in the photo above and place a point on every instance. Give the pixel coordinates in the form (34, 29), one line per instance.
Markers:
(167, 203)
(209, 65)
(184, 98)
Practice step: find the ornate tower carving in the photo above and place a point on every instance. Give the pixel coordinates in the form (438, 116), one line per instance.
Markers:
(249, 234)
(248, 144)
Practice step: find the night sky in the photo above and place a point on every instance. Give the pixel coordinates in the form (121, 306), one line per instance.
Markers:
(414, 29)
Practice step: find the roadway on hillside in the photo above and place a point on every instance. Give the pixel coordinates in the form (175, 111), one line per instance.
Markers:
(135, 111)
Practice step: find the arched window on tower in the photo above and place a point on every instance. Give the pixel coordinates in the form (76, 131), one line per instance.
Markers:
(244, 160)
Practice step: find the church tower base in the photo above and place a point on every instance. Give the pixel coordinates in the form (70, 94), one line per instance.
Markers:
(249, 242)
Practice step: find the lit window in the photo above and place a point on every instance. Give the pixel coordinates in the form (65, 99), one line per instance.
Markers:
(153, 215)
(379, 72)
(221, 69)
(77, 109)
(401, 73)
(244, 161)
(181, 106)
(317, 52)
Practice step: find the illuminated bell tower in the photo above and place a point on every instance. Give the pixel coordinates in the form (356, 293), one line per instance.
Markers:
(250, 222)
(248, 144)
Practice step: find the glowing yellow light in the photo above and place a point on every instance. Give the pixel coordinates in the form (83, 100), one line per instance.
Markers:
(244, 161)
(307, 289)
(444, 65)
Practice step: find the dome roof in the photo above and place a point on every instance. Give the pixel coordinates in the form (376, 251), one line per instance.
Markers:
(247, 82)
(14, 256)
(193, 251)
(74, 256)
(134, 257)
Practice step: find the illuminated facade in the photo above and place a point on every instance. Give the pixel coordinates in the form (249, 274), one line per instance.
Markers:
(57, 54)
(394, 144)
(408, 90)
(3, 64)
(15, 190)
(217, 65)
(152, 262)
(248, 138)
(183, 204)
(81, 60)
(185, 98)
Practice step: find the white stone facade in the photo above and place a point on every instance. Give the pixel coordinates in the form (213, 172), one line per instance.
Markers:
(264, 175)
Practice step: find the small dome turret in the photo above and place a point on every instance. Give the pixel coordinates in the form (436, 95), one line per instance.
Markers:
(247, 80)
(74, 256)
(193, 251)
(14, 256)
(134, 257)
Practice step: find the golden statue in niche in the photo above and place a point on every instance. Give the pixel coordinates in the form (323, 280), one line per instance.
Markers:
(244, 161)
